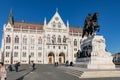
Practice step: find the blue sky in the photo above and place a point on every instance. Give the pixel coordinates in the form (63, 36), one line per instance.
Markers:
(73, 10)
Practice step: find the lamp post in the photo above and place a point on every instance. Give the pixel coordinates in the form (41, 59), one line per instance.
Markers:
(29, 58)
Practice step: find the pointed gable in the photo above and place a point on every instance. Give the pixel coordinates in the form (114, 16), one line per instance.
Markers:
(56, 22)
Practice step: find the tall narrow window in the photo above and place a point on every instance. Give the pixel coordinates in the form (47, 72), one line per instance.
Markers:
(39, 40)
(59, 39)
(64, 39)
(39, 54)
(53, 39)
(59, 25)
(24, 40)
(32, 54)
(15, 54)
(75, 42)
(48, 38)
(32, 40)
(24, 54)
(8, 39)
(7, 54)
(16, 39)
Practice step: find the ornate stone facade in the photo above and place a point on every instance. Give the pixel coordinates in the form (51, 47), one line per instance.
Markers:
(44, 43)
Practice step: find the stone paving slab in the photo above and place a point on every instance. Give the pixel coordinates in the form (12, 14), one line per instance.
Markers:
(46, 72)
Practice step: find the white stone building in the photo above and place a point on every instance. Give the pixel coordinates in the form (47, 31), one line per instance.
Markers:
(44, 43)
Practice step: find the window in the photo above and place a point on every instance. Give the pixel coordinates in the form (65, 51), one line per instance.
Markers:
(75, 42)
(39, 54)
(64, 47)
(59, 39)
(24, 54)
(53, 39)
(15, 47)
(53, 47)
(24, 47)
(8, 39)
(39, 48)
(16, 39)
(75, 49)
(7, 54)
(48, 47)
(53, 25)
(59, 25)
(32, 54)
(32, 40)
(15, 54)
(39, 40)
(48, 38)
(64, 39)
(7, 47)
(32, 47)
(24, 40)
(59, 47)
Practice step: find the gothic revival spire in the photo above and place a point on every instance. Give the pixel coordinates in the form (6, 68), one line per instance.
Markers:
(67, 23)
(45, 21)
(10, 19)
(56, 9)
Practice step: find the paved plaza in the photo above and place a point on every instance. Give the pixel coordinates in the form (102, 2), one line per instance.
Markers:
(48, 72)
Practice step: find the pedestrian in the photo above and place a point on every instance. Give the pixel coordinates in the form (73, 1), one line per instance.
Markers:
(57, 63)
(67, 63)
(3, 71)
(17, 66)
(10, 68)
(33, 66)
(71, 63)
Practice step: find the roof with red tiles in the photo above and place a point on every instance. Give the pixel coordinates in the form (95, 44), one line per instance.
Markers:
(76, 30)
(27, 25)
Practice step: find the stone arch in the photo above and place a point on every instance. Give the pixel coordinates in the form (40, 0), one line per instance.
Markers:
(61, 58)
(51, 58)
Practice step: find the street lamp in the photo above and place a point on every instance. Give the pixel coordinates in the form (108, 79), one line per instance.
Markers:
(29, 58)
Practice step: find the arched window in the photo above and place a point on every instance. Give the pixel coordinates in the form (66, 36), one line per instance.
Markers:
(48, 38)
(32, 40)
(8, 39)
(39, 40)
(75, 42)
(16, 39)
(59, 39)
(24, 40)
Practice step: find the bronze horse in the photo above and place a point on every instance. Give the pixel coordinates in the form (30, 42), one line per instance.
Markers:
(90, 25)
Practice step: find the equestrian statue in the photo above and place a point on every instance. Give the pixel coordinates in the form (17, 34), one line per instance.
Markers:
(90, 25)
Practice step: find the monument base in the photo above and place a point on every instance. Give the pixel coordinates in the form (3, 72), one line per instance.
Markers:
(98, 58)
(95, 63)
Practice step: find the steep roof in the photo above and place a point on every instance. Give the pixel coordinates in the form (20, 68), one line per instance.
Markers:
(26, 25)
(76, 30)
(38, 26)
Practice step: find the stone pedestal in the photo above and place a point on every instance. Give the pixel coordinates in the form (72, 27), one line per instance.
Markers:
(95, 57)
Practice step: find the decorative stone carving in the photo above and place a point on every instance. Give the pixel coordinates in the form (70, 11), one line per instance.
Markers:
(95, 57)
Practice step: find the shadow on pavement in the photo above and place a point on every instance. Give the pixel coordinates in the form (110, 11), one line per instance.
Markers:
(22, 77)
(22, 70)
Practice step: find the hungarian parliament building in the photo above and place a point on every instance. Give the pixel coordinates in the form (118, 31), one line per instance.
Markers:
(46, 43)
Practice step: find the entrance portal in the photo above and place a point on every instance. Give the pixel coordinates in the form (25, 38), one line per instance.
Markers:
(51, 58)
(61, 58)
